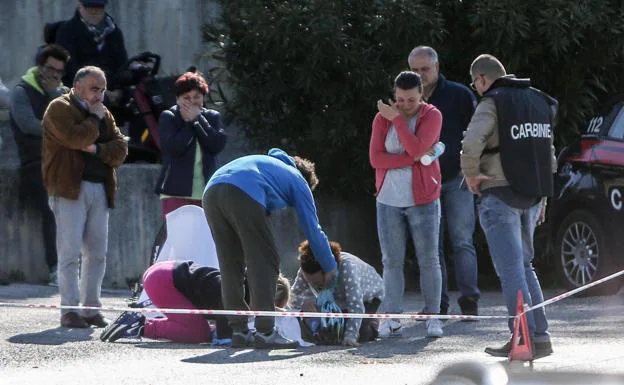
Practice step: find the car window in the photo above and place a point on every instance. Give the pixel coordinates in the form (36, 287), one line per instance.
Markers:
(617, 128)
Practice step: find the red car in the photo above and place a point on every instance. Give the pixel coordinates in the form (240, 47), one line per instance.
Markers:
(587, 210)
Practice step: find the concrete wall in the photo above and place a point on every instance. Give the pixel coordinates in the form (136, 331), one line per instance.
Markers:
(135, 222)
(171, 28)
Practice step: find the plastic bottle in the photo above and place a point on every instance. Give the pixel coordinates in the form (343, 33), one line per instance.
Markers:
(438, 149)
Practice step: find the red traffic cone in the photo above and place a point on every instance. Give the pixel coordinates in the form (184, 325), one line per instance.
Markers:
(521, 347)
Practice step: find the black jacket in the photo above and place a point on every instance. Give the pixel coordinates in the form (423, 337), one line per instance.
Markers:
(202, 286)
(74, 36)
(178, 140)
(457, 104)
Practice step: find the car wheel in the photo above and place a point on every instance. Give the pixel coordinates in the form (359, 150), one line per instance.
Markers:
(583, 253)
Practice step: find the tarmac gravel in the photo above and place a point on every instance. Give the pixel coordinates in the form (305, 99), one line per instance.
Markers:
(588, 336)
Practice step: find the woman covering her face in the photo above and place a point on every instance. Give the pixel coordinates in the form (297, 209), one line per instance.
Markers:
(191, 137)
(408, 195)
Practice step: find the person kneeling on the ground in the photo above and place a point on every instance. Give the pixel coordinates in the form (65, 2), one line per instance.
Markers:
(182, 285)
(359, 289)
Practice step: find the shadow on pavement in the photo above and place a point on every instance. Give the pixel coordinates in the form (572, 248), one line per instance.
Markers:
(56, 336)
(240, 356)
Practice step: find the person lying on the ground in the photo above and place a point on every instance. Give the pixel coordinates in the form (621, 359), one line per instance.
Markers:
(358, 289)
(182, 285)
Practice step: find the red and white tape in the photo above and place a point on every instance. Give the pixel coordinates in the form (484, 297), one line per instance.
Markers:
(250, 312)
(572, 292)
(310, 314)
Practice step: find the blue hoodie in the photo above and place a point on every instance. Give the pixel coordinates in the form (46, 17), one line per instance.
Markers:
(274, 182)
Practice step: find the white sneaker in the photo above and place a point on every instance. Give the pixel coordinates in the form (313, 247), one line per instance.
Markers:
(390, 328)
(434, 328)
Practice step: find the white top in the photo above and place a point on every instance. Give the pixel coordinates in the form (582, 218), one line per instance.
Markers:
(397, 190)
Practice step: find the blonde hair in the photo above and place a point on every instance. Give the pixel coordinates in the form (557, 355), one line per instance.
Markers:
(282, 292)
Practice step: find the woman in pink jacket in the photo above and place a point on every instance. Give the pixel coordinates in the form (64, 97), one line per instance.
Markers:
(408, 195)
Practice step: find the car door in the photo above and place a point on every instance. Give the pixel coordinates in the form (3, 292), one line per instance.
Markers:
(607, 167)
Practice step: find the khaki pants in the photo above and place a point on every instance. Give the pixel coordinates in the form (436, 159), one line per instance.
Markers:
(81, 228)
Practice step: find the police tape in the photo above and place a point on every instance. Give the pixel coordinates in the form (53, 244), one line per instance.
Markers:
(255, 313)
(262, 313)
(572, 292)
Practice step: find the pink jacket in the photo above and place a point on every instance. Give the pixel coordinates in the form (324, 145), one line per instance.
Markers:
(426, 180)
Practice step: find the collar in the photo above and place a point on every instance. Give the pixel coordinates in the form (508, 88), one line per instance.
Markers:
(509, 80)
(78, 100)
(439, 86)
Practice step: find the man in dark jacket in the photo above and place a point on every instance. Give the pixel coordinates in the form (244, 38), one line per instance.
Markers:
(508, 159)
(93, 38)
(31, 97)
(456, 103)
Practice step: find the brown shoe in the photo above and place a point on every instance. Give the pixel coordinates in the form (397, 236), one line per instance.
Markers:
(97, 320)
(73, 320)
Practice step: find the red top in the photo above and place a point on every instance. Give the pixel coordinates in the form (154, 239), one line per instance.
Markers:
(426, 180)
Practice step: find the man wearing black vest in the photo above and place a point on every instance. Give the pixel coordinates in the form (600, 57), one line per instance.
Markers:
(508, 160)
(29, 101)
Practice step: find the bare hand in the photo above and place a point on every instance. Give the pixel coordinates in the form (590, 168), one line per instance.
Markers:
(474, 183)
(388, 111)
(328, 277)
(97, 109)
(48, 83)
(91, 149)
(189, 112)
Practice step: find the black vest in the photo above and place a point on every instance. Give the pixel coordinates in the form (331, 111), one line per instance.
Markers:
(29, 146)
(525, 130)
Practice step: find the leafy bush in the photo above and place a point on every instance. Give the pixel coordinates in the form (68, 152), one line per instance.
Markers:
(305, 74)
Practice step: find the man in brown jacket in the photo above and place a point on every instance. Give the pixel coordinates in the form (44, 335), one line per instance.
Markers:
(81, 149)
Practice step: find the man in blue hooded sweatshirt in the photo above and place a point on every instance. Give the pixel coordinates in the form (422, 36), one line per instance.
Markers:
(238, 200)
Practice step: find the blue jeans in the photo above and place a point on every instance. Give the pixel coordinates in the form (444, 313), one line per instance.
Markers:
(458, 213)
(423, 223)
(509, 232)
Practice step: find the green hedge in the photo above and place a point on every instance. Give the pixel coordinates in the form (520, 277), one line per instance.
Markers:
(306, 74)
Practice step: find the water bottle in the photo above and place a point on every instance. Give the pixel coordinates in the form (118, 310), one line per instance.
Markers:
(438, 149)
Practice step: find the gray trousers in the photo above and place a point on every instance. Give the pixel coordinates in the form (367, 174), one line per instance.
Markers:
(81, 228)
(244, 237)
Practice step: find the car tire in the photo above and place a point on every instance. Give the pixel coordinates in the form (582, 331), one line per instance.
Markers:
(584, 254)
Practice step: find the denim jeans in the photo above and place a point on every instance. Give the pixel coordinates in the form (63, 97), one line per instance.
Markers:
(509, 232)
(458, 213)
(423, 223)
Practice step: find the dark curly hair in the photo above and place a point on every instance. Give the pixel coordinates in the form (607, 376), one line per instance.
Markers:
(51, 50)
(308, 263)
(307, 169)
(190, 81)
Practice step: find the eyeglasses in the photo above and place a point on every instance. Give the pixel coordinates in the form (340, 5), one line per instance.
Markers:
(54, 70)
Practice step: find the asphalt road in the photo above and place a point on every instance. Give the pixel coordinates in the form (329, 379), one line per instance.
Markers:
(588, 336)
